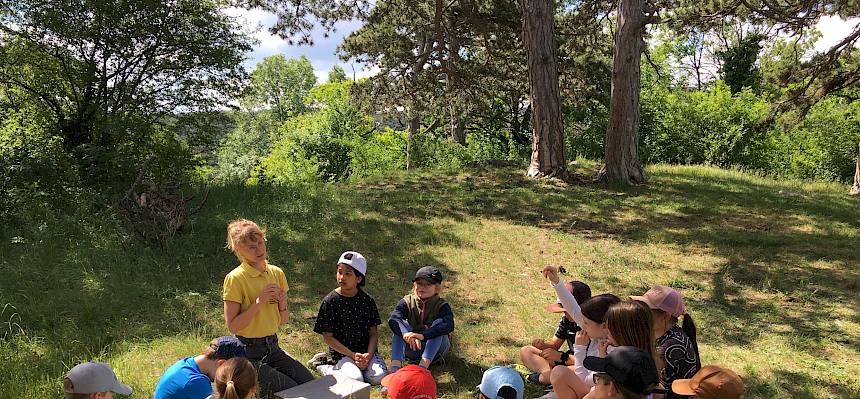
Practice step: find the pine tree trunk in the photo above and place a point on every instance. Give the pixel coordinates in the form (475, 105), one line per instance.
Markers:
(855, 189)
(414, 125)
(622, 134)
(458, 127)
(547, 135)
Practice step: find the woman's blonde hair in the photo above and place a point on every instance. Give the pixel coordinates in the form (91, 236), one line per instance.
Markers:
(236, 379)
(243, 230)
(631, 324)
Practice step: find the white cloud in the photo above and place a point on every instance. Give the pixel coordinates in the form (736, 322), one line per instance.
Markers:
(359, 73)
(833, 29)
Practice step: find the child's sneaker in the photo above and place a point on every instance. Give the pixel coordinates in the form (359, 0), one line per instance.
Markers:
(318, 360)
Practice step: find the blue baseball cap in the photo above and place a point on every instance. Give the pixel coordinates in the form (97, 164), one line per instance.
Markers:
(228, 347)
(498, 377)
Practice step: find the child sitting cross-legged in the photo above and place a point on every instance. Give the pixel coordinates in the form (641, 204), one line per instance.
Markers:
(421, 322)
(347, 320)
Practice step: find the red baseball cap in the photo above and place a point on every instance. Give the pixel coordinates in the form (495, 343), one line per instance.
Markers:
(410, 382)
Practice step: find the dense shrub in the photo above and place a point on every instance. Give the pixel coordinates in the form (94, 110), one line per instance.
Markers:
(708, 127)
(380, 153)
(35, 172)
(585, 131)
(437, 151)
(824, 145)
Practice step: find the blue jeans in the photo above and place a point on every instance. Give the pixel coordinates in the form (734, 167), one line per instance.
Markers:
(434, 349)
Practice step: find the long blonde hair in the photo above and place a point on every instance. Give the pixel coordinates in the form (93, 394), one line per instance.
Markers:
(236, 379)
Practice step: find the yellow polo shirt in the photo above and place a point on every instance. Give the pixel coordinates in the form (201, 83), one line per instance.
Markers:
(243, 285)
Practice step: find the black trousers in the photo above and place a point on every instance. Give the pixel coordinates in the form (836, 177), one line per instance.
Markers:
(276, 369)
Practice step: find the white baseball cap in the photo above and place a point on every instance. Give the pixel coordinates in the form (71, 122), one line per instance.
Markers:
(354, 260)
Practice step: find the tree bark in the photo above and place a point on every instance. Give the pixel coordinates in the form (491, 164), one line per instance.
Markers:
(855, 189)
(414, 125)
(621, 155)
(458, 127)
(547, 135)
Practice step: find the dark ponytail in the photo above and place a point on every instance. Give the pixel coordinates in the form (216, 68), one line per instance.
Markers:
(689, 328)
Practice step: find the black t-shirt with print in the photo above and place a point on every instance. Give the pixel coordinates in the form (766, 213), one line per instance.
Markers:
(676, 348)
(349, 320)
(567, 331)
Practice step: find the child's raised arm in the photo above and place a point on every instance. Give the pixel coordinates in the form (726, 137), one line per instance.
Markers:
(568, 302)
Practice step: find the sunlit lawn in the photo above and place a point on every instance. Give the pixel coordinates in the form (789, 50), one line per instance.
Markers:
(770, 270)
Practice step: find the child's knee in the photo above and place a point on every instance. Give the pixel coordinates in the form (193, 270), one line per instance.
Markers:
(527, 350)
(349, 370)
(559, 373)
(437, 322)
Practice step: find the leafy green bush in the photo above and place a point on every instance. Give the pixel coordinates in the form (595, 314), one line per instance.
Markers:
(585, 131)
(380, 153)
(35, 172)
(824, 145)
(317, 145)
(243, 149)
(710, 127)
(437, 151)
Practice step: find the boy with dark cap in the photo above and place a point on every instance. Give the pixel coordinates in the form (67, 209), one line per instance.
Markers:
(92, 380)
(626, 373)
(191, 377)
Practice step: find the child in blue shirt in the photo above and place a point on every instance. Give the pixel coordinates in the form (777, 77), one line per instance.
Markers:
(191, 377)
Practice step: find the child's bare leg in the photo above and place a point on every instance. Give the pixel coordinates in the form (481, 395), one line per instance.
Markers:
(567, 384)
(532, 359)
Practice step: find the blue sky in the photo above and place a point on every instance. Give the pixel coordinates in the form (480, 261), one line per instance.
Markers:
(322, 53)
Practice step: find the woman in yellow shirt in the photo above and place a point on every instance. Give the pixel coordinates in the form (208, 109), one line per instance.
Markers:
(255, 305)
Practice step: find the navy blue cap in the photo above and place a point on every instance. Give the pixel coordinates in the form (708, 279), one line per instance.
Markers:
(228, 347)
(430, 274)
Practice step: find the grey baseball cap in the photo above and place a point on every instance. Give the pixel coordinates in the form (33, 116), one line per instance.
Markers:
(93, 377)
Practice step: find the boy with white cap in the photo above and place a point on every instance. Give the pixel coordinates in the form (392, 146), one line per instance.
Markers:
(92, 380)
(347, 320)
(501, 383)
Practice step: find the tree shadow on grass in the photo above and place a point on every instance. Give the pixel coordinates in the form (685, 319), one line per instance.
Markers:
(93, 292)
(795, 252)
(793, 384)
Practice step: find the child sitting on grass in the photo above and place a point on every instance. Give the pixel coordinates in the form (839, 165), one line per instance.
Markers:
(255, 305)
(542, 355)
(421, 322)
(92, 380)
(235, 379)
(348, 320)
(677, 348)
(191, 377)
(574, 380)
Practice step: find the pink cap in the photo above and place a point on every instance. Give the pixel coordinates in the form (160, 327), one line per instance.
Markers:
(665, 299)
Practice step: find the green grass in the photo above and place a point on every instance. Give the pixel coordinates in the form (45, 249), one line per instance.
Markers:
(770, 270)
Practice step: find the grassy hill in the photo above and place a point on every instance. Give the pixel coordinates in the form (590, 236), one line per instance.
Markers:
(770, 271)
